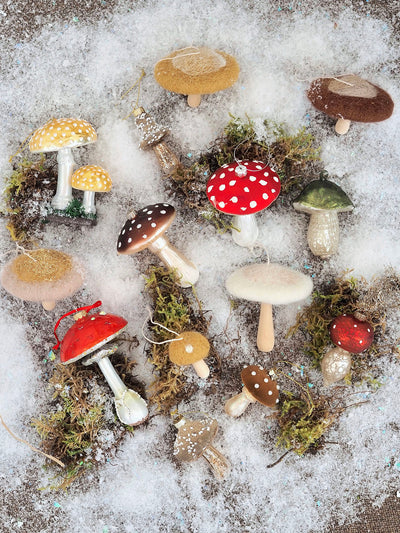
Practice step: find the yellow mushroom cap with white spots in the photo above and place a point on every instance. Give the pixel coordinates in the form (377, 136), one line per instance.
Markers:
(60, 133)
(91, 178)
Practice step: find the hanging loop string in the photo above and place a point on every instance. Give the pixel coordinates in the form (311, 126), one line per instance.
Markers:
(178, 337)
(138, 84)
(85, 308)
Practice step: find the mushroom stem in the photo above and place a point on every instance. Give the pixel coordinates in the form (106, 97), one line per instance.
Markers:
(342, 126)
(245, 230)
(265, 335)
(237, 405)
(48, 305)
(194, 100)
(88, 202)
(173, 258)
(219, 464)
(166, 158)
(323, 233)
(66, 165)
(201, 369)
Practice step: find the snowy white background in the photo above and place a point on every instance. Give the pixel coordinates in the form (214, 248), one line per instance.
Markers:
(81, 69)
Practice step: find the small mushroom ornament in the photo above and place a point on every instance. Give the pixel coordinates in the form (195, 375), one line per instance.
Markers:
(91, 179)
(191, 349)
(350, 335)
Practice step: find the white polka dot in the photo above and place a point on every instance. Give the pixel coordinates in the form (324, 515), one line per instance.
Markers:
(276, 179)
(270, 393)
(265, 380)
(221, 187)
(256, 386)
(221, 204)
(262, 182)
(212, 177)
(138, 226)
(210, 188)
(234, 199)
(334, 326)
(355, 325)
(253, 203)
(258, 167)
(153, 225)
(243, 208)
(222, 175)
(144, 236)
(129, 240)
(254, 373)
(163, 212)
(265, 196)
(361, 342)
(339, 343)
(232, 183)
(252, 178)
(246, 189)
(272, 190)
(266, 174)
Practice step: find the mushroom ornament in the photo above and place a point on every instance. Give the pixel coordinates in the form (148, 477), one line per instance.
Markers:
(61, 135)
(270, 284)
(258, 386)
(89, 333)
(91, 179)
(146, 229)
(195, 71)
(350, 98)
(350, 335)
(191, 349)
(242, 189)
(194, 440)
(323, 200)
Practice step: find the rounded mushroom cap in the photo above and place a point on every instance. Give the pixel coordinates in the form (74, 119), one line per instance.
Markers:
(269, 283)
(260, 385)
(194, 70)
(322, 195)
(350, 97)
(61, 133)
(192, 348)
(145, 227)
(42, 275)
(243, 187)
(91, 178)
(193, 437)
(351, 334)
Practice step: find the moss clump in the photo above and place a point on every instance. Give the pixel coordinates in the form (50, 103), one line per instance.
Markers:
(74, 209)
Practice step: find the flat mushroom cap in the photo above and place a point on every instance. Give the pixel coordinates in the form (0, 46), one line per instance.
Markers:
(61, 133)
(269, 283)
(193, 437)
(91, 178)
(194, 70)
(260, 385)
(42, 275)
(199, 344)
(350, 97)
(322, 195)
(243, 187)
(351, 334)
(145, 227)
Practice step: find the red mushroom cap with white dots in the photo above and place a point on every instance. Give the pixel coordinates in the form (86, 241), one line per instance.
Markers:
(243, 187)
(260, 385)
(145, 227)
(351, 334)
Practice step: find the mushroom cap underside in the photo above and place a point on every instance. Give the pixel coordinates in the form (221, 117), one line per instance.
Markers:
(193, 437)
(61, 133)
(322, 195)
(192, 348)
(260, 385)
(91, 178)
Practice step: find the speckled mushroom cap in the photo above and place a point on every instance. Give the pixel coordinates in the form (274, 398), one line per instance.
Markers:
(351, 334)
(199, 344)
(91, 178)
(260, 385)
(194, 70)
(322, 195)
(351, 98)
(61, 133)
(269, 283)
(145, 227)
(193, 437)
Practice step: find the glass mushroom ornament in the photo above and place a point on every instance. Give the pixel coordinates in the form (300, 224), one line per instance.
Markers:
(89, 333)
(350, 98)
(91, 179)
(323, 200)
(191, 348)
(242, 189)
(195, 71)
(350, 335)
(146, 229)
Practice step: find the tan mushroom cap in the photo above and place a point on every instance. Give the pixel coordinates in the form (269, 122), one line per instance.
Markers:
(61, 133)
(196, 70)
(192, 348)
(260, 385)
(91, 178)
(193, 437)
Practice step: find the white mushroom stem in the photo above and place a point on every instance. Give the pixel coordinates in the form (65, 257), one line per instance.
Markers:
(188, 272)
(218, 463)
(194, 100)
(245, 230)
(88, 202)
(323, 233)
(201, 369)
(342, 126)
(66, 165)
(166, 158)
(265, 334)
(48, 305)
(237, 405)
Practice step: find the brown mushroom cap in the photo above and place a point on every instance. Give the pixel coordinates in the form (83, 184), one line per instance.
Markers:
(193, 437)
(145, 227)
(91, 178)
(350, 97)
(60, 133)
(180, 354)
(194, 70)
(260, 385)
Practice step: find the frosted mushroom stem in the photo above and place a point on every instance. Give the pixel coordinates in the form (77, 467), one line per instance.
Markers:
(219, 464)
(173, 258)
(323, 233)
(237, 405)
(245, 230)
(194, 100)
(166, 158)
(88, 202)
(265, 335)
(66, 164)
(342, 126)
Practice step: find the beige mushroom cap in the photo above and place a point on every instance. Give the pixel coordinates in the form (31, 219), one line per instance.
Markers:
(59, 133)
(91, 178)
(193, 437)
(192, 348)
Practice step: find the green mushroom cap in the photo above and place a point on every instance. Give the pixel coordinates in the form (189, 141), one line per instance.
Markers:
(322, 195)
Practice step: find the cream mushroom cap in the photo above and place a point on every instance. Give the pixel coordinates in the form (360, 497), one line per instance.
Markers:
(91, 178)
(59, 133)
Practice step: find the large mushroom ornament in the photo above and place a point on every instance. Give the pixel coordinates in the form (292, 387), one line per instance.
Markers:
(146, 229)
(242, 189)
(195, 71)
(89, 333)
(191, 349)
(91, 179)
(61, 135)
(258, 386)
(350, 98)
(323, 200)
(350, 335)
(270, 284)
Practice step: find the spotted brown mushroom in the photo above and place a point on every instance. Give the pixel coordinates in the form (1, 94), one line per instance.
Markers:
(258, 386)
(146, 229)
(191, 349)
(194, 440)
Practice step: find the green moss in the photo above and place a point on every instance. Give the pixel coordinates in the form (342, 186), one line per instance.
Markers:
(74, 209)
